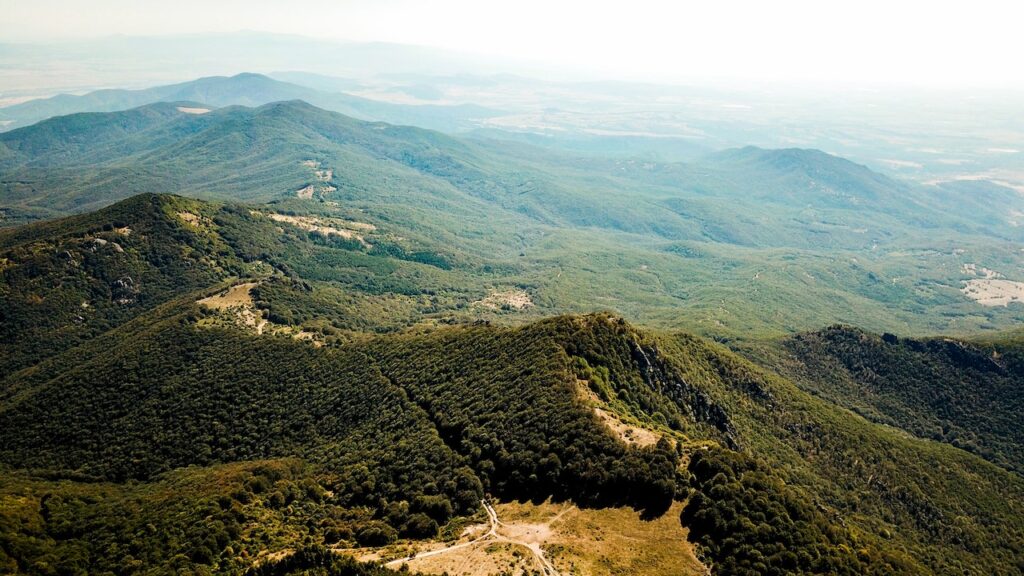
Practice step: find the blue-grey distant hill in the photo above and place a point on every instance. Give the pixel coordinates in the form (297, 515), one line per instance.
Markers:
(243, 90)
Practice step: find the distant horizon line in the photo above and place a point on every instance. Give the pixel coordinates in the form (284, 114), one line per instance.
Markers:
(544, 72)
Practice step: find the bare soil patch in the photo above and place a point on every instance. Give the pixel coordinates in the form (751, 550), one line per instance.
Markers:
(237, 295)
(572, 541)
(631, 435)
(311, 337)
(506, 300)
(975, 270)
(194, 220)
(237, 302)
(994, 291)
(326, 226)
(189, 110)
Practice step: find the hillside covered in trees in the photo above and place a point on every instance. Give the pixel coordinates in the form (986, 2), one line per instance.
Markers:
(395, 436)
(192, 387)
(962, 392)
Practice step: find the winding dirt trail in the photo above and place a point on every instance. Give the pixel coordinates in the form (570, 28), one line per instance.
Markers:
(492, 535)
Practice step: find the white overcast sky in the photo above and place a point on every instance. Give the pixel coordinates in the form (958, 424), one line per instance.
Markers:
(967, 43)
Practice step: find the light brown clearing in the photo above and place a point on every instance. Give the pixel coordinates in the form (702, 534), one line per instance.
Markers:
(249, 318)
(188, 110)
(570, 541)
(507, 299)
(311, 337)
(238, 299)
(975, 270)
(325, 226)
(305, 193)
(993, 292)
(237, 295)
(193, 220)
(631, 435)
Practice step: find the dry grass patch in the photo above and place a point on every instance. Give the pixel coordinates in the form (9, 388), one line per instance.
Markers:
(605, 542)
(237, 295)
(506, 300)
(993, 292)
(327, 226)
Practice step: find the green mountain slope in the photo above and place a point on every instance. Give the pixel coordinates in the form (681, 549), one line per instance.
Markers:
(707, 245)
(281, 420)
(62, 283)
(447, 415)
(952, 391)
(66, 281)
(240, 153)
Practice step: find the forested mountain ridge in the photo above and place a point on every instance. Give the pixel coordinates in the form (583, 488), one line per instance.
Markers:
(437, 418)
(65, 282)
(969, 394)
(377, 341)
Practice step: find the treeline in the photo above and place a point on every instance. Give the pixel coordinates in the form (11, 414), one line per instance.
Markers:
(319, 561)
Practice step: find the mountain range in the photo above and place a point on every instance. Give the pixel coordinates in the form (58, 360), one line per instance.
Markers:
(759, 224)
(248, 335)
(182, 318)
(244, 89)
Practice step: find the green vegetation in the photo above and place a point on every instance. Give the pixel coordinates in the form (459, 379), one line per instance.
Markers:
(318, 561)
(63, 283)
(415, 428)
(750, 522)
(200, 520)
(965, 394)
(387, 351)
(707, 246)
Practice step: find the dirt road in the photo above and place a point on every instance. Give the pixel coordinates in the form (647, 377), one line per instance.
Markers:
(492, 535)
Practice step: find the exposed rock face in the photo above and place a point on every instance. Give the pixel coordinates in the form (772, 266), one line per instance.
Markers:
(123, 290)
(697, 403)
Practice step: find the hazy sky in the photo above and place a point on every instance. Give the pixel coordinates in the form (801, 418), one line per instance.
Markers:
(938, 42)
